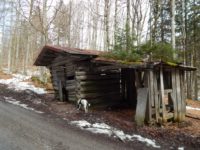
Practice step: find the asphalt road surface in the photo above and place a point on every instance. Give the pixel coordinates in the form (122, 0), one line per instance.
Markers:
(21, 129)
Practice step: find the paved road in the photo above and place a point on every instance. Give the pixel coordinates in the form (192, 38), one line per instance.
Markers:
(21, 129)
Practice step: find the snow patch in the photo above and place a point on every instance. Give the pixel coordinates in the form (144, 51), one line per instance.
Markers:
(81, 123)
(103, 128)
(192, 108)
(17, 83)
(101, 125)
(99, 131)
(15, 102)
(180, 148)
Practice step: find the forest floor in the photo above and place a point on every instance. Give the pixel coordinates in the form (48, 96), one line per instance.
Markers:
(184, 135)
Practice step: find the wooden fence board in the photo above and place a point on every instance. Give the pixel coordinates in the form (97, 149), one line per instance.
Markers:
(162, 94)
(141, 106)
(174, 96)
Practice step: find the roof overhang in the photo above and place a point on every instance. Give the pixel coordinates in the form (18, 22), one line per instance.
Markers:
(141, 65)
(48, 53)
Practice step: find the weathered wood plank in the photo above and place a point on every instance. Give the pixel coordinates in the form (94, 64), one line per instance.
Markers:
(156, 99)
(162, 95)
(141, 105)
(108, 67)
(99, 82)
(95, 95)
(70, 87)
(150, 95)
(97, 89)
(97, 77)
(60, 91)
(174, 97)
(183, 95)
(178, 92)
(70, 81)
(81, 73)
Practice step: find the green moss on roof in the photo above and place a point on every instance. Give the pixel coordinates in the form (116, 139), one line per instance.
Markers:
(171, 64)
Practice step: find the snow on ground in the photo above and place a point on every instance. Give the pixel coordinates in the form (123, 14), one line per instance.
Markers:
(17, 83)
(15, 102)
(103, 128)
(192, 108)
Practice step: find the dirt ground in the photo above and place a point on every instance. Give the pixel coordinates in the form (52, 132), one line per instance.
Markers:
(171, 135)
(4, 75)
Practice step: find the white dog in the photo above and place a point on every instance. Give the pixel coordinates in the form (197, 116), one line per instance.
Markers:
(84, 104)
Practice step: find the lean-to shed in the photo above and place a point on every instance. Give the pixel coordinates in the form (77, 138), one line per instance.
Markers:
(154, 89)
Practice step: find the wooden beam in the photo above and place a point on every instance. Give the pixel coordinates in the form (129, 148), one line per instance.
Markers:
(174, 96)
(60, 90)
(141, 105)
(183, 95)
(150, 95)
(178, 93)
(97, 77)
(156, 98)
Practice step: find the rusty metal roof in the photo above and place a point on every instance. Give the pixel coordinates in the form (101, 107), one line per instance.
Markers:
(48, 53)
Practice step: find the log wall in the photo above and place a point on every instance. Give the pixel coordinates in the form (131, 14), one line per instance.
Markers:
(98, 87)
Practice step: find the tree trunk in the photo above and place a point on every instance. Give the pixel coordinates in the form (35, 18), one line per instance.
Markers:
(115, 21)
(128, 40)
(106, 24)
(173, 25)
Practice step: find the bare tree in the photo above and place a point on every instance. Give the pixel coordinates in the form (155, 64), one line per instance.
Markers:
(173, 24)
(106, 24)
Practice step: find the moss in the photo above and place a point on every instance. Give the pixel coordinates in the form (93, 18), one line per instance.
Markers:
(158, 51)
(171, 64)
(125, 56)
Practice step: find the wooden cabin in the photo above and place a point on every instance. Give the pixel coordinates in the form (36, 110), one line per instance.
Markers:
(154, 89)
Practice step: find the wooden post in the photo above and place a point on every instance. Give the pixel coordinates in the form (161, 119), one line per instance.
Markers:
(178, 93)
(174, 98)
(60, 90)
(183, 95)
(162, 94)
(149, 75)
(141, 105)
(157, 106)
(151, 83)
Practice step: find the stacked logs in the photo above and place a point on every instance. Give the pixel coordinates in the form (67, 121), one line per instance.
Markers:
(71, 89)
(97, 87)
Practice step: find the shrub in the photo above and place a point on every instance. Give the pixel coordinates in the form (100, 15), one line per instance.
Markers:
(160, 51)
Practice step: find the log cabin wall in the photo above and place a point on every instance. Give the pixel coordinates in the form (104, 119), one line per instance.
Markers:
(63, 72)
(98, 87)
(75, 79)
